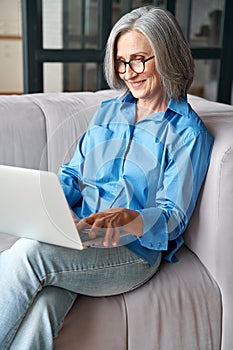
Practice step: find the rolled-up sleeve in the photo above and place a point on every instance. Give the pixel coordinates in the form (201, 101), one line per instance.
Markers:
(187, 164)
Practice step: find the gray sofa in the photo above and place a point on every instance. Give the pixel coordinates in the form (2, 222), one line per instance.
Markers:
(188, 305)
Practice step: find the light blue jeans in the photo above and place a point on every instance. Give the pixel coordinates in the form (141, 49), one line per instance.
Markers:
(39, 283)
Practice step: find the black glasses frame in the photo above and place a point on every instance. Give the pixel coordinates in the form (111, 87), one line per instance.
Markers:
(143, 61)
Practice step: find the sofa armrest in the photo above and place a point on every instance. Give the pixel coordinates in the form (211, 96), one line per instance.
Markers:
(22, 133)
(210, 232)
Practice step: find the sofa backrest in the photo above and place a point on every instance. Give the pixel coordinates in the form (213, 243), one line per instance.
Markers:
(40, 131)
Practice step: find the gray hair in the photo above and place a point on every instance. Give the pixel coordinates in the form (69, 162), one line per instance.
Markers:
(173, 58)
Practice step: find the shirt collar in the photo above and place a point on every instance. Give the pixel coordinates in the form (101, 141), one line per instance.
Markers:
(180, 107)
(128, 98)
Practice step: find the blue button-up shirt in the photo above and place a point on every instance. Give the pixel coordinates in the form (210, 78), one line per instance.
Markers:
(156, 166)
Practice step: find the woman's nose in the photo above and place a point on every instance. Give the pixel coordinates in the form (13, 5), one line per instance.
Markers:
(129, 73)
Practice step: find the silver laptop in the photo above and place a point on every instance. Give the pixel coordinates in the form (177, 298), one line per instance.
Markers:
(33, 205)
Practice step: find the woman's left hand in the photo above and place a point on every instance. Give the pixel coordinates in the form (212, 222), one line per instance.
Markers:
(112, 221)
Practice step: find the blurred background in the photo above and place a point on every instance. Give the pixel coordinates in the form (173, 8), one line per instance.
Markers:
(58, 45)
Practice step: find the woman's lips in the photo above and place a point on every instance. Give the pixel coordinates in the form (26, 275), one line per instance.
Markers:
(136, 84)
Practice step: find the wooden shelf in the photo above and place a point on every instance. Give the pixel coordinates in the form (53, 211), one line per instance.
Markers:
(11, 93)
(10, 37)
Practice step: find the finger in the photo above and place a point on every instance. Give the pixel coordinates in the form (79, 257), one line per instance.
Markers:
(76, 222)
(83, 225)
(108, 234)
(108, 237)
(116, 237)
(97, 229)
(90, 220)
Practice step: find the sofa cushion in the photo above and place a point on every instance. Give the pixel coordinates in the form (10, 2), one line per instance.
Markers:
(179, 308)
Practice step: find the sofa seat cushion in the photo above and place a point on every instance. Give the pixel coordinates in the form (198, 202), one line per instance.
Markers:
(179, 308)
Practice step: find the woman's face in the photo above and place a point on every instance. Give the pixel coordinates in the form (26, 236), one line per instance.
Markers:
(145, 85)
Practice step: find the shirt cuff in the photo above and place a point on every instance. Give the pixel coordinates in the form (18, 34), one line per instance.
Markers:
(155, 234)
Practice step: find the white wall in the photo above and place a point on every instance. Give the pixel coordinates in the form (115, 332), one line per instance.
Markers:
(52, 39)
(11, 56)
(11, 71)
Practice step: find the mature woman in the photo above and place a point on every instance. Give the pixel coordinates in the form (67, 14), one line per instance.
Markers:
(136, 174)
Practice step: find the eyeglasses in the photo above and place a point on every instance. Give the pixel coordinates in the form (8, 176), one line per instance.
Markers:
(136, 64)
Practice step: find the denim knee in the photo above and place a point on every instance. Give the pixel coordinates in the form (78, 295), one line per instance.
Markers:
(25, 245)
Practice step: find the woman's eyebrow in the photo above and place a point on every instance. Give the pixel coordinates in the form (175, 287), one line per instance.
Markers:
(118, 57)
